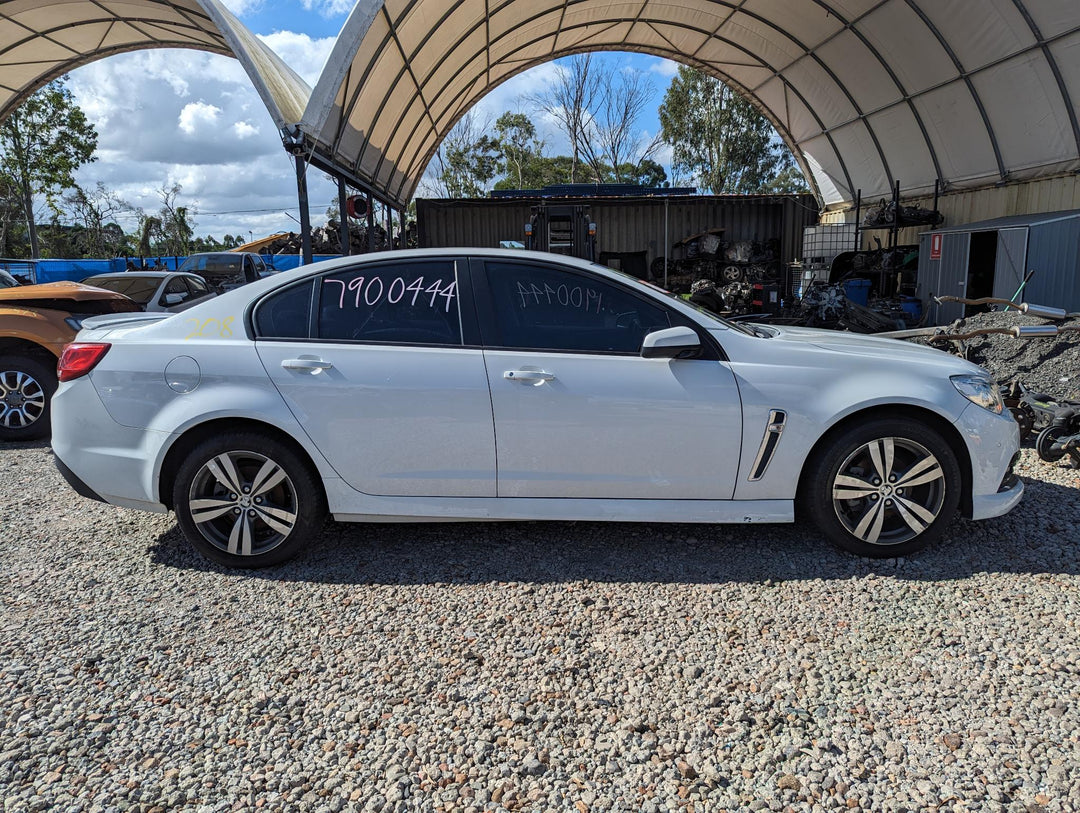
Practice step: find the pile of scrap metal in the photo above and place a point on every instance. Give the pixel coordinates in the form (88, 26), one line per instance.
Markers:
(707, 256)
(828, 306)
(327, 239)
(1035, 350)
(891, 213)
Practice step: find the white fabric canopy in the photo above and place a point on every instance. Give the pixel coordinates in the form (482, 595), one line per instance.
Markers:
(865, 92)
(41, 40)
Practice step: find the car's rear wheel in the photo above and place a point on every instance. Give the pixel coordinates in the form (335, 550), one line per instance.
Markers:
(885, 488)
(248, 500)
(26, 388)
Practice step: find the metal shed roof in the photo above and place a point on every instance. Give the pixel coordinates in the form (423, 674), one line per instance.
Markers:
(1011, 222)
(865, 92)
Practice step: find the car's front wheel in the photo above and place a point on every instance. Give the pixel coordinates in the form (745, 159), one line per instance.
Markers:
(248, 500)
(885, 488)
(26, 387)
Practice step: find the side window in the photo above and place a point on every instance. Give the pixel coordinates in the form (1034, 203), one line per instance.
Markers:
(176, 293)
(285, 314)
(197, 286)
(408, 303)
(541, 308)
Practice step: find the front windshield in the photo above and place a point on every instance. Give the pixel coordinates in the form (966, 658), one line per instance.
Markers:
(715, 317)
(141, 289)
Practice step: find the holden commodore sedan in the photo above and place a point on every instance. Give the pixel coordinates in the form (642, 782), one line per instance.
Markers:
(495, 385)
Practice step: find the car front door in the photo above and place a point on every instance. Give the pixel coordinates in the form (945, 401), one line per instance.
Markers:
(386, 377)
(578, 411)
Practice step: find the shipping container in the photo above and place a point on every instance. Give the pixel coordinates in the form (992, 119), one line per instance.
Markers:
(638, 233)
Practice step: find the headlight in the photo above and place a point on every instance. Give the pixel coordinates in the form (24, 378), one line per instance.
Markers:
(979, 390)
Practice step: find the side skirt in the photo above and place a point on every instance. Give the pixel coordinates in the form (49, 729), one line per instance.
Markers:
(365, 508)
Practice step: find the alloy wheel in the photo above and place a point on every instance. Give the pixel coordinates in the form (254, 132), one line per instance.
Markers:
(243, 503)
(888, 491)
(22, 399)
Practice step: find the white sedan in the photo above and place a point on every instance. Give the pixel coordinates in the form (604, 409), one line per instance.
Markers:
(480, 384)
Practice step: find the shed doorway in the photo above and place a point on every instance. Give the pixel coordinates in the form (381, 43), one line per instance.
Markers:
(982, 260)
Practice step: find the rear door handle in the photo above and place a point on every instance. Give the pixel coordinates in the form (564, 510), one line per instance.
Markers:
(307, 365)
(528, 375)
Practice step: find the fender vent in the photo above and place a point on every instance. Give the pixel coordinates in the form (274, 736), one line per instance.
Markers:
(769, 442)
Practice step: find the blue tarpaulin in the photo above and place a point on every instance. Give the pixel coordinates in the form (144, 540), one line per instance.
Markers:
(75, 270)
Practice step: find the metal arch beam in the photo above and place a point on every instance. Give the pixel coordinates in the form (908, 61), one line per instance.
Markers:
(956, 79)
(708, 68)
(914, 6)
(712, 69)
(812, 53)
(735, 7)
(1054, 68)
(852, 26)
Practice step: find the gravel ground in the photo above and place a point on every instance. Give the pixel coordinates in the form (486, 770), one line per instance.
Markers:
(542, 667)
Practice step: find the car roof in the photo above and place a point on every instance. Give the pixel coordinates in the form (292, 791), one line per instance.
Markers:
(138, 274)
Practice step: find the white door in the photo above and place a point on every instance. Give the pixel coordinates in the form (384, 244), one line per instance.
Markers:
(384, 388)
(579, 413)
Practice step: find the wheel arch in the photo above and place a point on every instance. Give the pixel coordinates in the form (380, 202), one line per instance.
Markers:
(932, 419)
(12, 344)
(195, 435)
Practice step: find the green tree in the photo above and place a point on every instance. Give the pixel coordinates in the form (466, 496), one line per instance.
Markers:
(521, 149)
(467, 159)
(94, 211)
(42, 143)
(718, 137)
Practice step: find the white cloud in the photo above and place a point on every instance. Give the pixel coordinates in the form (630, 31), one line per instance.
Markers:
(244, 130)
(239, 7)
(198, 116)
(192, 118)
(329, 8)
(664, 67)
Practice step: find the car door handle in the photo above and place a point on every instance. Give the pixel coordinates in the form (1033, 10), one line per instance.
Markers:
(306, 365)
(528, 375)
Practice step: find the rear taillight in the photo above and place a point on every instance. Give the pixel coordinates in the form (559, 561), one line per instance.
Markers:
(79, 358)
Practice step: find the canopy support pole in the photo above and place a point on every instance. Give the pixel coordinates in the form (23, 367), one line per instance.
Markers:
(305, 213)
(343, 216)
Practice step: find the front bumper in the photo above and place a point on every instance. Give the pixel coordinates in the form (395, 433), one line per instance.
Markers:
(993, 442)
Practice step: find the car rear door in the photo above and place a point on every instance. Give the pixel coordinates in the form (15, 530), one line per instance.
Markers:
(381, 365)
(578, 412)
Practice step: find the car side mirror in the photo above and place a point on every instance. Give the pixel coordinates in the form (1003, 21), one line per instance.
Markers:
(173, 299)
(672, 342)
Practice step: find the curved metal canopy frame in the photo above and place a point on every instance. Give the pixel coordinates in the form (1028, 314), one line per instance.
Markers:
(865, 92)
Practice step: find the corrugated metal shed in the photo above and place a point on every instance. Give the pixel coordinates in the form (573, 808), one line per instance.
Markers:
(991, 257)
(626, 224)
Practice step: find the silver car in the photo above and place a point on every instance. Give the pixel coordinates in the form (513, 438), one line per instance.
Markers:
(494, 385)
(156, 291)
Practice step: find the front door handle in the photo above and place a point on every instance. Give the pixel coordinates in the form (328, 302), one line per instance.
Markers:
(535, 376)
(306, 365)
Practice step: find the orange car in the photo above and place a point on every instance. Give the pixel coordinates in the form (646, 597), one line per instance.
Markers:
(36, 321)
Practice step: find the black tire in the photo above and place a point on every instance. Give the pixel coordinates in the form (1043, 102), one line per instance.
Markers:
(26, 390)
(247, 524)
(1046, 439)
(875, 511)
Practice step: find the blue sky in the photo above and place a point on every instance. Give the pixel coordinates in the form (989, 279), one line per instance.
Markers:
(189, 118)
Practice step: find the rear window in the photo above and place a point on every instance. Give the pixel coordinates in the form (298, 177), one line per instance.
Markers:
(140, 289)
